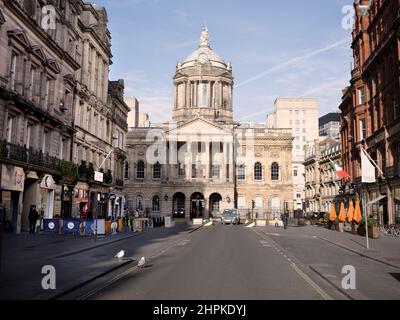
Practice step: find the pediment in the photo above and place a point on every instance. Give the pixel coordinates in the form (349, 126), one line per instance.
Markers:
(20, 36)
(53, 64)
(2, 19)
(200, 128)
(38, 51)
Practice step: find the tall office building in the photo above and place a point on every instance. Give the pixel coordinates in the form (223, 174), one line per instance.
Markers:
(301, 115)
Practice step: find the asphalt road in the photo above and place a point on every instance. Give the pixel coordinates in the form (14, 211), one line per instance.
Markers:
(219, 263)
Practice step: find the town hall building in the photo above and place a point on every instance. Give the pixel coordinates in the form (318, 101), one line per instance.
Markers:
(202, 161)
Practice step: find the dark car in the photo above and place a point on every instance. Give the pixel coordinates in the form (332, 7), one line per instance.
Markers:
(179, 214)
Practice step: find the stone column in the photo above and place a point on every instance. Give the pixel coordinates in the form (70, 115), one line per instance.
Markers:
(208, 94)
(187, 94)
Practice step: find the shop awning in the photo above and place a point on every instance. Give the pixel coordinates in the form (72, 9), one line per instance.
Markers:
(376, 200)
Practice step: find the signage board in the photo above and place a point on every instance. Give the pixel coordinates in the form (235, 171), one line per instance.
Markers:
(98, 176)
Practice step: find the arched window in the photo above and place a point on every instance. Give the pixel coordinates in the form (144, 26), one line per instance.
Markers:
(258, 171)
(241, 172)
(126, 174)
(156, 204)
(157, 171)
(140, 170)
(275, 171)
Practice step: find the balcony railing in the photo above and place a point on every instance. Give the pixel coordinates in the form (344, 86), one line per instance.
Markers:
(29, 156)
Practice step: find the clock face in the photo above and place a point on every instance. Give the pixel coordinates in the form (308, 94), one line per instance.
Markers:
(203, 58)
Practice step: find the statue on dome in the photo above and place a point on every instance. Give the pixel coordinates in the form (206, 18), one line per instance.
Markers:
(204, 37)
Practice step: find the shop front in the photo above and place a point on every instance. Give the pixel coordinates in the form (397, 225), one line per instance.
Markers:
(30, 197)
(12, 189)
(80, 202)
(47, 197)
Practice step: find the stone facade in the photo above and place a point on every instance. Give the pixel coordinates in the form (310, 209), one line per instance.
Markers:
(55, 109)
(322, 183)
(203, 162)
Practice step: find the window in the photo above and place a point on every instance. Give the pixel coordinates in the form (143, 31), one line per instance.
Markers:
(373, 87)
(298, 195)
(202, 95)
(157, 171)
(46, 97)
(363, 130)
(215, 171)
(297, 112)
(295, 172)
(361, 95)
(13, 71)
(32, 80)
(140, 170)
(156, 204)
(61, 146)
(28, 136)
(298, 122)
(241, 172)
(46, 141)
(10, 129)
(126, 173)
(181, 170)
(258, 171)
(275, 171)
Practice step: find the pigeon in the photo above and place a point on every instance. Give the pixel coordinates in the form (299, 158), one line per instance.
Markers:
(120, 255)
(142, 262)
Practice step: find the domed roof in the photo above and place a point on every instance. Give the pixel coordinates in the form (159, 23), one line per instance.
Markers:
(204, 49)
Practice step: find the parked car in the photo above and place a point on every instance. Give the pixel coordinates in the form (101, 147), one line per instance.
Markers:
(230, 216)
(179, 214)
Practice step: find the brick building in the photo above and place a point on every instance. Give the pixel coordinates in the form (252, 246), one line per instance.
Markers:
(371, 106)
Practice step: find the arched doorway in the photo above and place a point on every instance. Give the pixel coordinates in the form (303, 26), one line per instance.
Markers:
(215, 204)
(275, 206)
(178, 205)
(197, 205)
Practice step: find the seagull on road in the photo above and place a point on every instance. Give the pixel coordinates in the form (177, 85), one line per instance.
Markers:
(120, 255)
(142, 262)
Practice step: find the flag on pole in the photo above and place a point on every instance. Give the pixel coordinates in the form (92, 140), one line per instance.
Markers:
(341, 174)
(367, 169)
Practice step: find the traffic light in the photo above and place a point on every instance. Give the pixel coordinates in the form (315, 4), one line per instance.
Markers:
(253, 204)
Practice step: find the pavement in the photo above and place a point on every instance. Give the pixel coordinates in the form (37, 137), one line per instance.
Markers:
(77, 260)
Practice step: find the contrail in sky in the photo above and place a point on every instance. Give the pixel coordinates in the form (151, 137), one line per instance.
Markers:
(293, 61)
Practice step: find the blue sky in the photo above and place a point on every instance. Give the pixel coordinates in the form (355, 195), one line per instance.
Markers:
(277, 48)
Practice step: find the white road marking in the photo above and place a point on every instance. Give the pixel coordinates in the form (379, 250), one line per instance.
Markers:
(306, 278)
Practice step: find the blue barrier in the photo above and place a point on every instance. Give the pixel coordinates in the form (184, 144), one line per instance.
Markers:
(71, 226)
(51, 225)
(89, 227)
